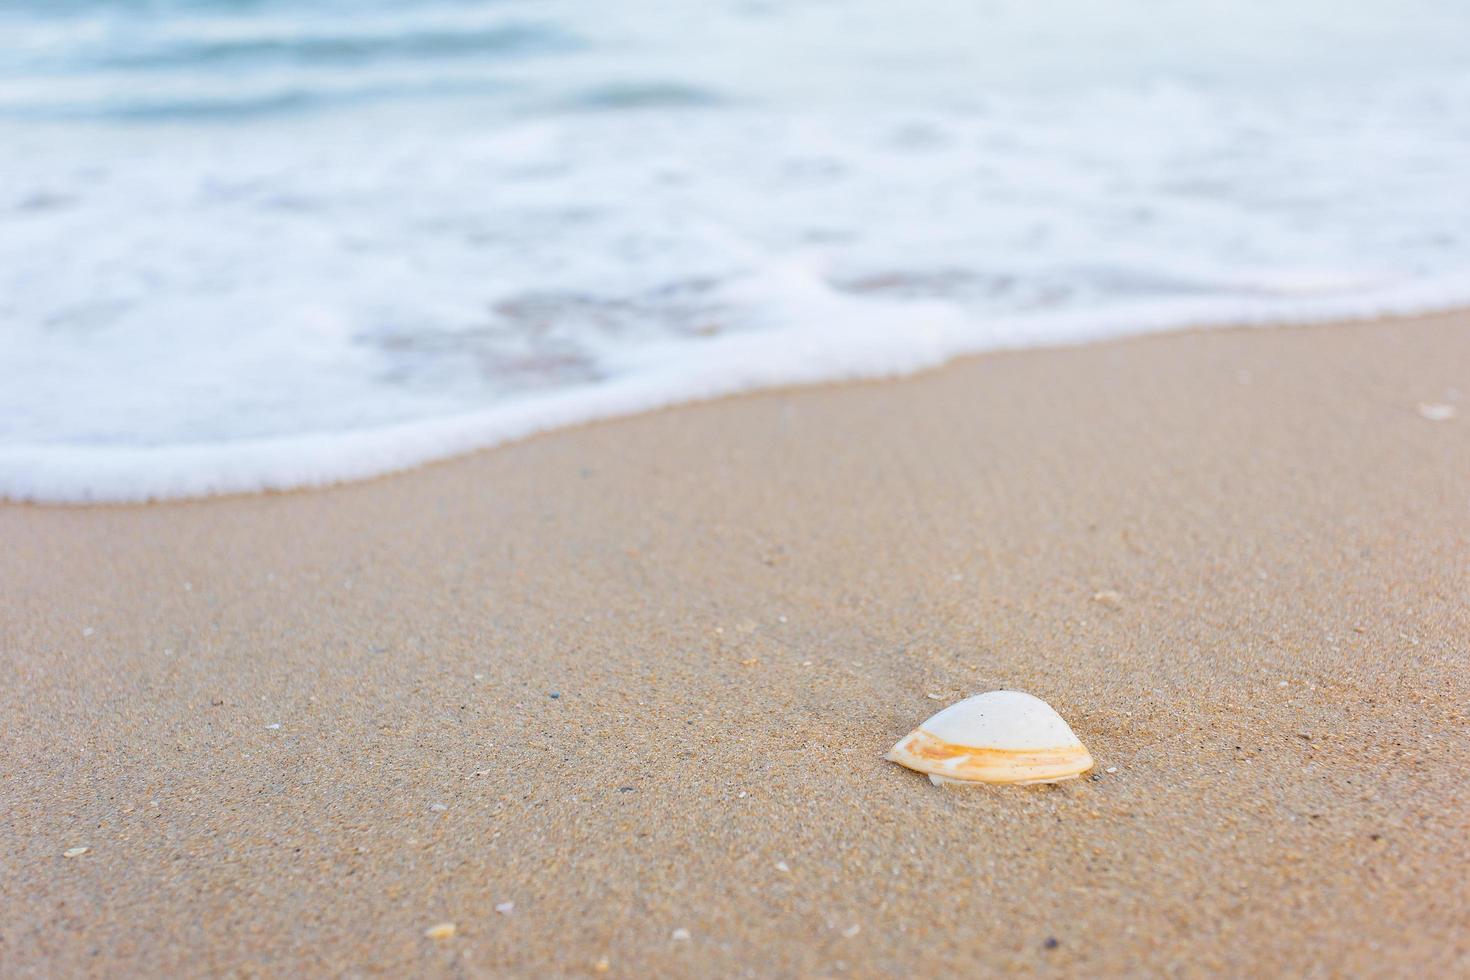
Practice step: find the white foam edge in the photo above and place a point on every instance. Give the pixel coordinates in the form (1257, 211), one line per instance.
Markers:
(723, 366)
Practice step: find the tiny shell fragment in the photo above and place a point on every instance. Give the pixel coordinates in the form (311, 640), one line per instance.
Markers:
(443, 930)
(1436, 411)
(73, 852)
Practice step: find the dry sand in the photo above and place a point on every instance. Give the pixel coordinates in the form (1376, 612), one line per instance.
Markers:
(296, 731)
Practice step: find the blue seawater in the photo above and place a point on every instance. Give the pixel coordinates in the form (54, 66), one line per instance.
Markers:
(259, 243)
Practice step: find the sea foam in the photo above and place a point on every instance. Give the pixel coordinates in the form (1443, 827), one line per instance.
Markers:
(289, 247)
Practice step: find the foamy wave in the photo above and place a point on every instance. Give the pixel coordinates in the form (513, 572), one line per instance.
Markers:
(299, 242)
(849, 341)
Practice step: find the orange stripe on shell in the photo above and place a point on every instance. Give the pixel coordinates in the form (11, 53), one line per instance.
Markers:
(927, 753)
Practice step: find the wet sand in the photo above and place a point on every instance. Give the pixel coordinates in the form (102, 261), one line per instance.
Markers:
(638, 677)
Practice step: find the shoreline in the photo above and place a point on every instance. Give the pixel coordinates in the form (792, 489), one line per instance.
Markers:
(65, 475)
(740, 605)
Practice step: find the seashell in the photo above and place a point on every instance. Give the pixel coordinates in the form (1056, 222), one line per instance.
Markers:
(996, 737)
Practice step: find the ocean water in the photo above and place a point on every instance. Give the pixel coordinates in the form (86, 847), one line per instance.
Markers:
(253, 244)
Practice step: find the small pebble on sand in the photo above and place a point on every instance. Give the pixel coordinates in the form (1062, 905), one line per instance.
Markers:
(443, 930)
(88, 631)
(73, 852)
(602, 965)
(934, 697)
(438, 807)
(852, 930)
(1110, 770)
(1111, 598)
(783, 867)
(506, 908)
(274, 726)
(680, 935)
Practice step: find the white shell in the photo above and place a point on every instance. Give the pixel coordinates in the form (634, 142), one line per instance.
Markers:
(996, 737)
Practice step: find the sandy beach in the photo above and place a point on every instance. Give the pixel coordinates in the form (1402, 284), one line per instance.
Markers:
(614, 701)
